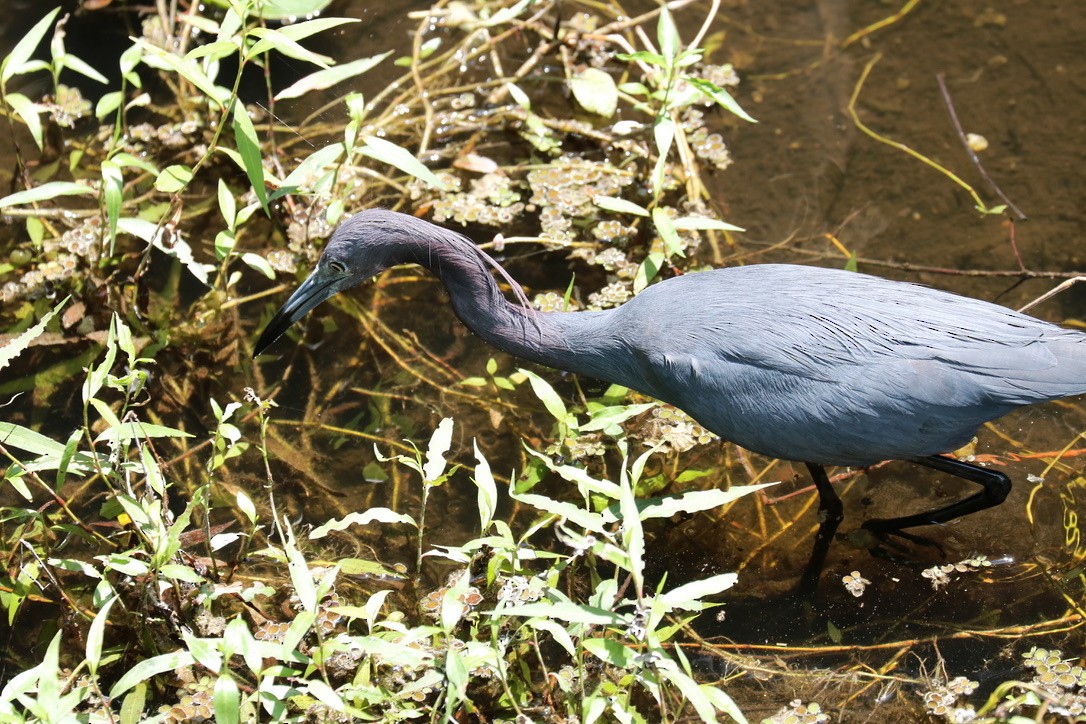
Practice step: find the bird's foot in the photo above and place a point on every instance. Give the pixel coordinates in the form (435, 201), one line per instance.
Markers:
(881, 537)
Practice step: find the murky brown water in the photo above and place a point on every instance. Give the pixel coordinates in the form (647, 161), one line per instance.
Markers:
(1015, 71)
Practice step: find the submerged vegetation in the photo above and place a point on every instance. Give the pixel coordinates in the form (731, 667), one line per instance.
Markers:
(173, 548)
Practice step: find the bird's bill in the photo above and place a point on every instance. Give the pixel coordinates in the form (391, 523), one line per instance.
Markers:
(313, 291)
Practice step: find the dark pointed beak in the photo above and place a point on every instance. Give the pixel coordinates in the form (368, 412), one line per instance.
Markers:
(314, 290)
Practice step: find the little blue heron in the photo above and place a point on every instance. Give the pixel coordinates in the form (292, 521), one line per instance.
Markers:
(820, 366)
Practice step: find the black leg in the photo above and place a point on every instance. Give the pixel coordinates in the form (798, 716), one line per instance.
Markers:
(830, 514)
(995, 486)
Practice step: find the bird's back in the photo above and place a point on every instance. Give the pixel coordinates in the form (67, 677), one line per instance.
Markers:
(835, 367)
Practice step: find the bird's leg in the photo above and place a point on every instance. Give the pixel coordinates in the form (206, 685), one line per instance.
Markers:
(995, 486)
(830, 514)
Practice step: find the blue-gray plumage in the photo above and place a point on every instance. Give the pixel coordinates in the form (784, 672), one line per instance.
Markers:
(821, 366)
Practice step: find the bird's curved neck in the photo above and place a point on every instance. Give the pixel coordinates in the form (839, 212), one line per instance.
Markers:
(555, 339)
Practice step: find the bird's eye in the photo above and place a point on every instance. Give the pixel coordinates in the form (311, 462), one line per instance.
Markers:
(337, 266)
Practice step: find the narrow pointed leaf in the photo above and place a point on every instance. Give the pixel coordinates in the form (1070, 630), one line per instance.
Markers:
(249, 149)
(330, 76)
(399, 157)
(20, 54)
(46, 191)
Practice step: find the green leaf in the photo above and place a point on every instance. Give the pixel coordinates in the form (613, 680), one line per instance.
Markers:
(330, 76)
(616, 415)
(691, 593)
(364, 517)
(547, 396)
(643, 56)
(666, 228)
(306, 173)
(688, 503)
(129, 431)
(46, 191)
(326, 695)
(277, 40)
(519, 96)
(95, 634)
(693, 223)
(127, 160)
(691, 691)
(153, 666)
(173, 178)
(133, 704)
(306, 28)
(15, 347)
(249, 148)
(15, 61)
(571, 612)
(648, 270)
(663, 132)
(633, 534)
(30, 112)
(78, 65)
(488, 489)
(720, 96)
(255, 261)
(113, 190)
(227, 204)
(216, 51)
(667, 35)
(177, 248)
(227, 700)
(595, 90)
(584, 518)
(723, 702)
(611, 651)
(620, 206)
(156, 57)
(399, 157)
(284, 9)
(440, 442)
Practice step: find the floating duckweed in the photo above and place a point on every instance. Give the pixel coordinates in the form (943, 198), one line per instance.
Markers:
(673, 430)
(855, 583)
(195, 707)
(613, 231)
(721, 76)
(942, 699)
(271, 631)
(521, 589)
(710, 146)
(614, 260)
(940, 575)
(1062, 678)
(68, 106)
(209, 624)
(613, 295)
(799, 713)
(308, 224)
(467, 208)
(571, 186)
(346, 661)
(583, 446)
(554, 302)
(155, 33)
(11, 291)
(282, 261)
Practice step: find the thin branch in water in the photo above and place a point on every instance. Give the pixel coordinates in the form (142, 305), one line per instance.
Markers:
(972, 154)
(1063, 286)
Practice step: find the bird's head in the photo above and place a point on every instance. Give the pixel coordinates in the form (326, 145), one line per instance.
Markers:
(361, 247)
